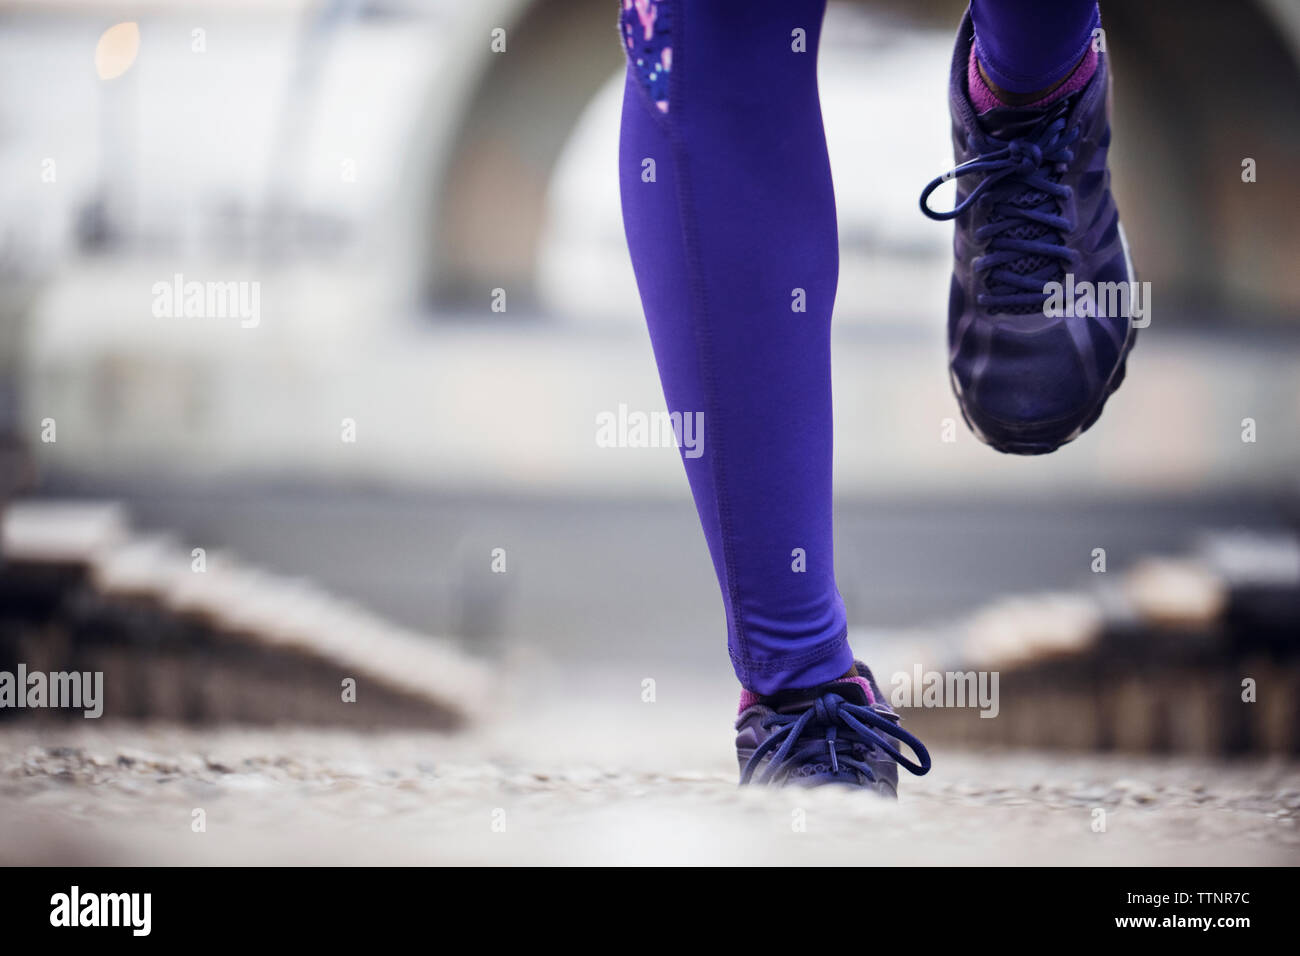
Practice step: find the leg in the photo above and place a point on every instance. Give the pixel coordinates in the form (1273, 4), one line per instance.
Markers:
(1027, 47)
(730, 220)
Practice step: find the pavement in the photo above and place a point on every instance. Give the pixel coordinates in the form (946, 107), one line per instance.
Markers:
(573, 764)
(588, 772)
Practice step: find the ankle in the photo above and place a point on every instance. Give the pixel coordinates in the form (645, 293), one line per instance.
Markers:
(1010, 98)
(987, 95)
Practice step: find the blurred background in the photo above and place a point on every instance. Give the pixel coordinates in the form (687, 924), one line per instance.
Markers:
(445, 304)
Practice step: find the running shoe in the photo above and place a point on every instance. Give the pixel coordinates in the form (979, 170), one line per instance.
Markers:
(1034, 207)
(841, 732)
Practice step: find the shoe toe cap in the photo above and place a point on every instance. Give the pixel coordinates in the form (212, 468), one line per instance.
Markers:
(1024, 391)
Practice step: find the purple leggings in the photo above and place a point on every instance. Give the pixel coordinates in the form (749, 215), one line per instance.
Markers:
(730, 220)
(1029, 45)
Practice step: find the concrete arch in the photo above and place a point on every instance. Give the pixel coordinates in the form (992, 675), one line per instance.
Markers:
(491, 132)
(1202, 87)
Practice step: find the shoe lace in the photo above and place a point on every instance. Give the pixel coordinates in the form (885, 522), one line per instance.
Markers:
(828, 740)
(1024, 228)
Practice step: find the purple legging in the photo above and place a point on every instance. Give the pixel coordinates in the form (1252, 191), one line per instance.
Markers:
(730, 220)
(1029, 45)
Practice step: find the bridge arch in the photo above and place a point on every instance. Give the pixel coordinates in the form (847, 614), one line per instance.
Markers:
(1201, 88)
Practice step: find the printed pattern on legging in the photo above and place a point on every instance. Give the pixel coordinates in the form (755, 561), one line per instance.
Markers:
(647, 37)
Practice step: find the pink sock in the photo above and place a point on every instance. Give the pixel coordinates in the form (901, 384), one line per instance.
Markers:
(985, 99)
(748, 698)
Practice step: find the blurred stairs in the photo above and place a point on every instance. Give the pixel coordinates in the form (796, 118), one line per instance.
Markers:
(229, 643)
(1164, 659)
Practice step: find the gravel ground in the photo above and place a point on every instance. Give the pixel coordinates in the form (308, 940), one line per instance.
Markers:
(540, 787)
(575, 767)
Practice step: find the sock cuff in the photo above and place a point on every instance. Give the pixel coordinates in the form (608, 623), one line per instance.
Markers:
(981, 96)
(984, 99)
(748, 698)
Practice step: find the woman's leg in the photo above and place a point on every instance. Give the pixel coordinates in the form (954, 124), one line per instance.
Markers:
(730, 219)
(1027, 47)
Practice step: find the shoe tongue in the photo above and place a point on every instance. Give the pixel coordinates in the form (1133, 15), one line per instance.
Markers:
(1006, 123)
(794, 701)
(1010, 122)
